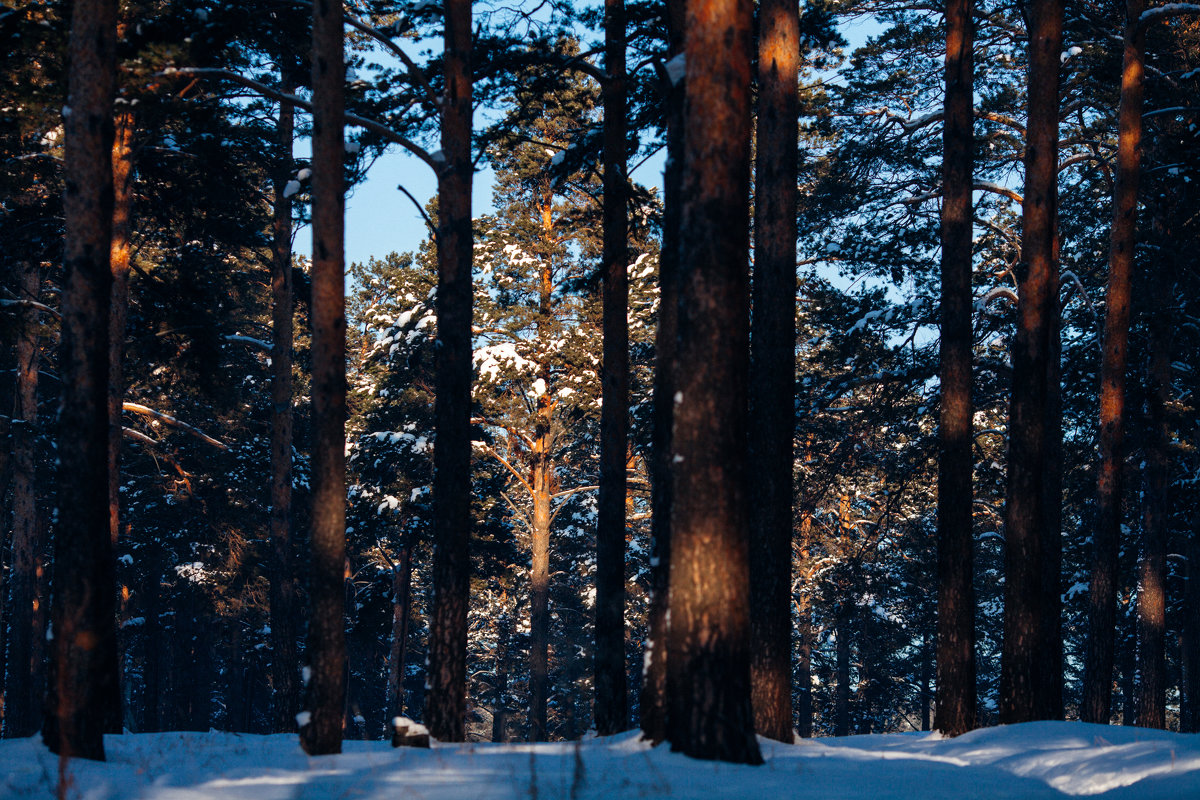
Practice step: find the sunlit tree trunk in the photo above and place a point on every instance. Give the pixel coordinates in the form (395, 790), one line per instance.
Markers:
(611, 714)
(773, 368)
(1024, 615)
(708, 660)
(1096, 704)
(452, 405)
(956, 594)
(326, 628)
(84, 660)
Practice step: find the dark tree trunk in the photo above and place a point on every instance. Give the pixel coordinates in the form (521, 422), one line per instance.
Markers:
(926, 674)
(452, 406)
(326, 628)
(708, 662)
(956, 594)
(1189, 721)
(1049, 699)
(153, 646)
(804, 700)
(84, 660)
(611, 712)
(841, 703)
(1102, 594)
(120, 249)
(401, 611)
(500, 703)
(283, 598)
(773, 368)
(19, 719)
(652, 701)
(1024, 615)
(1151, 596)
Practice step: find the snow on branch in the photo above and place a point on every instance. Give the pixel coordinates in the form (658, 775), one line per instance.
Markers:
(371, 125)
(34, 304)
(250, 340)
(146, 411)
(996, 293)
(1166, 12)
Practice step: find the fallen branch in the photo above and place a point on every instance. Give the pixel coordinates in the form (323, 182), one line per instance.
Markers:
(145, 411)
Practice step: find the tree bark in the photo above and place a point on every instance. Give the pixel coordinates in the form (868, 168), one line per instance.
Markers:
(1024, 616)
(1102, 595)
(84, 660)
(611, 712)
(956, 593)
(773, 368)
(452, 405)
(652, 701)
(1049, 698)
(19, 719)
(1189, 721)
(401, 611)
(708, 661)
(841, 703)
(327, 637)
(539, 590)
(1151, 596)
(283, 595)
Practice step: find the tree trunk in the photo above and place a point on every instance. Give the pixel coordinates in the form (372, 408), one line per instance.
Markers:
(708, 661)
(926, 694)
(401, 611)
(326, 631)
(652, 701)
(122, 168)
(804, 701)
(956, 593)
(84, 662)
(452, 405)
(1102, 595)
(1151, 596)
(154, 648)
(1024, 616)
(500, 704)
(283, 596)
(539, 599)
(773, 368)
(1189, 721)
(1049, 697)
(19, 719)
(611, 712)
(841, 703)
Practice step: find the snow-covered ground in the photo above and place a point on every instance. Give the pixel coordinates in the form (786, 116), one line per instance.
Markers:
(1027, 761)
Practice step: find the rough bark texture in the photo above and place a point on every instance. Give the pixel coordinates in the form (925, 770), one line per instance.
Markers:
(708, 661)
(773, 368)
(1021, 659)
(452, 406)
(19, 714)
(611, 713)
(1102, 594)
(283, 595)
(84, 661)
(956, 594)
(652, 702)
(539, 576)
(1151, 596)
(326, 629)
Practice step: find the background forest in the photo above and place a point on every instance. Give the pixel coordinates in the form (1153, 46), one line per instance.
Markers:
(216, 181)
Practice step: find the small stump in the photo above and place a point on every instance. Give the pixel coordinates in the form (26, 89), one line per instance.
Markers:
(406, 733)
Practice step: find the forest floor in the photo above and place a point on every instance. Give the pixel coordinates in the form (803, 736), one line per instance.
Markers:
(1036, 760)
